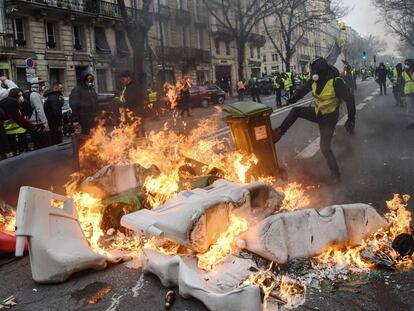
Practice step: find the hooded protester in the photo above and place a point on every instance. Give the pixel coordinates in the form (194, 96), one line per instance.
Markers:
(408, 76)
(84, 103)
(5, 86)
(328, 89)
(38, 117)
(381, 75)
(53, 110)
(9, 110)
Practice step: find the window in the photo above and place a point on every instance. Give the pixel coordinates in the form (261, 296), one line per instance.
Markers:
(56, 75)
(258, 52)
(274, 57)
(21, 79)
(251, 52)
(19, 33)
(264, 57)
(101, 44)
(184, 36)
(227, 48)
(50, 35)
(121, 44)
(101, 79)
(217, 46)
(77, 38)
(182, 4)
(200, 40)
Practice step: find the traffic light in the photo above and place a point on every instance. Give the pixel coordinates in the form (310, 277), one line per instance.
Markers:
(364, 55)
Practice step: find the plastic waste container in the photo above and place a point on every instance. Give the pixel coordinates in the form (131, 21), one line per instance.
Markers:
(251, 131)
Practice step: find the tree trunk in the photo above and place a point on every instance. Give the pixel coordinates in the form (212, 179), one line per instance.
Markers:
(241, 51)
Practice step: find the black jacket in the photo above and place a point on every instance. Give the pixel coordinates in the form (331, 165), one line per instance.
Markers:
(341, 90)
(381, 73)
(84, 103)
(134, 99)
(53, 108)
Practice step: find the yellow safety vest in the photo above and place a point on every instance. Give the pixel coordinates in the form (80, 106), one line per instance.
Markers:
(326, 102)
(409, 83)
(12, 128)
(152, 97)
(122, 101)
(288, 81)
(275, 83)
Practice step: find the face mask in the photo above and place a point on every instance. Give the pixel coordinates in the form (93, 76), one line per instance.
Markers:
(89, 84)
(21, 99)
(315, 77)
(407, 66)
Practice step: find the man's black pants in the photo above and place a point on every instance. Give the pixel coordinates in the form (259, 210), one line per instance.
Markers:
(278, 98)
(383, 87)
(326, 123)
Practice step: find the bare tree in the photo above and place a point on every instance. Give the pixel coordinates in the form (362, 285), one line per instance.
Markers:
(293, 19)
(399, 16)
(137, 23)
(372, 45)
(238, 17)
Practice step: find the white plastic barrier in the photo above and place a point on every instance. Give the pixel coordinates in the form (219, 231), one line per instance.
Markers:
(57, 245)
(307, 232)
(196, 218)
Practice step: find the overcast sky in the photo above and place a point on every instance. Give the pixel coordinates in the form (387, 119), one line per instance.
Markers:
(366, 19)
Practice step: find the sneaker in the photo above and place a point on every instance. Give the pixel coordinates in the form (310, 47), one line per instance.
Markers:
(277, 134)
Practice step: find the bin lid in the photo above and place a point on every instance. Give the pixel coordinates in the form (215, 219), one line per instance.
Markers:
(246, 109)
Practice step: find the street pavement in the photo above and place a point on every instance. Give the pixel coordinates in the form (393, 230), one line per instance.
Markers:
(375, 163)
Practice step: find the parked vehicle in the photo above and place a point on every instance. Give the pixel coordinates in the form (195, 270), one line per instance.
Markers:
(218, 96)
(265, 85)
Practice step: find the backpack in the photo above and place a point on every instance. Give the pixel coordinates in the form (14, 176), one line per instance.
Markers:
(26, 108)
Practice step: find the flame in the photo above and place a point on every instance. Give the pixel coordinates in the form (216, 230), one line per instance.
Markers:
(8, 220)
(265, 280)
(90, 211)
(379, 243)
(167, 248)
(224, 245)
(295, 197)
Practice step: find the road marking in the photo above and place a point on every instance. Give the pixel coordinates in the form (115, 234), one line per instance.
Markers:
(367, 99)
(360, 106)
(225, 130)
(310, 150)
(342, 121)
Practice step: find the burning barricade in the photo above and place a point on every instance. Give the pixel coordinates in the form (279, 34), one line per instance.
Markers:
(190, 209)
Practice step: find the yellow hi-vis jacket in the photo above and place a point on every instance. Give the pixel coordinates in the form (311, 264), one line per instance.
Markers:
(288, 81)
(409, 83)
(122, 101)
(12, 128)
(326, 102)
(152, 96)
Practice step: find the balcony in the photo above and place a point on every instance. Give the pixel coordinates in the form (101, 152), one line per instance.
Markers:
(221, 32)
(87, 7)
(187, 54)
(201, 19)
(183, 16)
(257, 40)
(7, 42)
(164, 12)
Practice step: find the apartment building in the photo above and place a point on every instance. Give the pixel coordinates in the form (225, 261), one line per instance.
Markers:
(64, 38)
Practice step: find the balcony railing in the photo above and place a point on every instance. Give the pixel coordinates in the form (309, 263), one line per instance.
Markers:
(257, 39)
(91, 7)
(221, 32)
(183, 16)
(7, 42)
(177, 54)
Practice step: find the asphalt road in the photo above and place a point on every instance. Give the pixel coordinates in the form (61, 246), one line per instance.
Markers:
(375, 163)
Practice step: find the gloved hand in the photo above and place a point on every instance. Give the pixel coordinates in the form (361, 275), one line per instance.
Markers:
(290, 101)
(350, 126)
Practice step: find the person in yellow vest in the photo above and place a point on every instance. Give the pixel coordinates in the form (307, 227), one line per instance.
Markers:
(328, 89)
(278, 86)
(153, 103)
(408, 76)
(289, 83)
(16, 136)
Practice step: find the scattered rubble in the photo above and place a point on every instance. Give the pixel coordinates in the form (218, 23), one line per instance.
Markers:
(8, 303)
